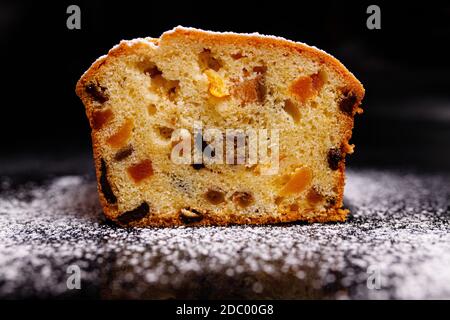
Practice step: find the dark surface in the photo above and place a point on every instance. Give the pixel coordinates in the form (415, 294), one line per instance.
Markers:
(398, 229)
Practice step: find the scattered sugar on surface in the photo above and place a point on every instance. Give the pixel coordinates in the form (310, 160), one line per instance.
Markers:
(399, 228)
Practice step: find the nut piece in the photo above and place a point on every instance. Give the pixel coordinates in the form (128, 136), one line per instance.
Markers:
(298, 182)
(242, 199)
(120, 138)
(217, 85)
(141, 170)
(105, 187)
(134, 215)
(101, 117)
(188, 215)
(334, 157)
(215, 197)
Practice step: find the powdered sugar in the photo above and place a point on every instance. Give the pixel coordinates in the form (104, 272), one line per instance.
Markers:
(398, 228)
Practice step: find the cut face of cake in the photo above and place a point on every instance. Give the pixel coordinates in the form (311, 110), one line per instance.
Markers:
(205, 128)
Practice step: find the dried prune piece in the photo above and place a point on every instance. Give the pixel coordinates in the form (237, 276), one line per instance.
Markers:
(153, 71)
(97, 92)
(105, 186)
(198, 166)
(134, 215)
(141, 170)
(334, 157)
(123, 153)
(243, 199)
(348, 102)
(215, 196)
(189, 215)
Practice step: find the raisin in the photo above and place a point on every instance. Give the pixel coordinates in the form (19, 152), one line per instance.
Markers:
(141, 170)
(237, 56)
(348, 102)
(198, 166)
(123, 153)
(260, 69)
(242, 199)
(153, 71)
(101, 117)
(165, 132)
(334, 157)
(97, 92)
(189, 215)
(134, 215)
(105, 186)
(215, 197)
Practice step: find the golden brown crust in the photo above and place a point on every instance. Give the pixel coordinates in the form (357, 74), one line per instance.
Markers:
(173, 219)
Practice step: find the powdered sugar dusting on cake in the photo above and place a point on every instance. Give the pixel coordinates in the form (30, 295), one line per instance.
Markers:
(398, 229)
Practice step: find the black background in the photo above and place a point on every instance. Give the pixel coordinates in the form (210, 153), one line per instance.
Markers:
(404, 67)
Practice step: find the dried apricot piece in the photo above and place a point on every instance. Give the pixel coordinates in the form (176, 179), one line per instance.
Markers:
(141, 170)
(292, 109)
(307, 87)
(298, 182)
(251, 90)
(101, 117)
(120, 138)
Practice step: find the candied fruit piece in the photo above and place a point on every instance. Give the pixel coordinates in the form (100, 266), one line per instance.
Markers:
(120, 138)
(151, 109)
(251, 90)
(141, 170)
(243, 199)
(217, 86)
(298, 182)
(101, 117)
(215, 196)
(292, 109)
